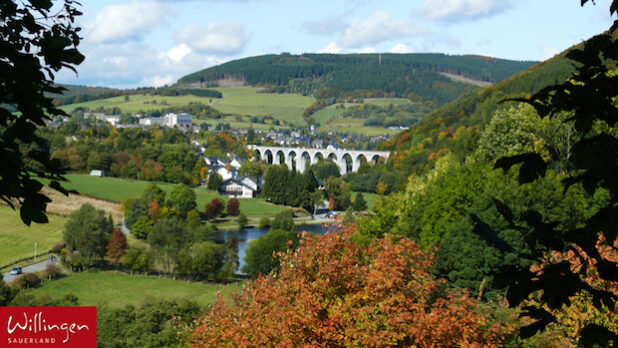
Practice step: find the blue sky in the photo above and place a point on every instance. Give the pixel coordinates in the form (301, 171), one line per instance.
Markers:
(155, 42)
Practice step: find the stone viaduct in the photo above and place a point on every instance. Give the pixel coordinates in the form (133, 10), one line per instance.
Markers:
(297, 157)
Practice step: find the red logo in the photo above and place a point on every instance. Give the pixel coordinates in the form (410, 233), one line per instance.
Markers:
(48, 327)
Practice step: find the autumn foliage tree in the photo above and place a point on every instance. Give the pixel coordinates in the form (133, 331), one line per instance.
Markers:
(117, 247)
(214, 208)
(233, 207)
(335, 292)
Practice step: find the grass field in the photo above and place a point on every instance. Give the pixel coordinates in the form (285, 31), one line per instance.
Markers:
(136, 102)
(242, 125)
(117, 289)
(17, 240)
(117, 190)
(347, 122)
(246, 101)
(370, 131)
(370, 198)
(387, 101)
(321, 116)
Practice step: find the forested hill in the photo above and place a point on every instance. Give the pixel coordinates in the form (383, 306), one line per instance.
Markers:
(456, 126)
(360, 75)
(78, 94)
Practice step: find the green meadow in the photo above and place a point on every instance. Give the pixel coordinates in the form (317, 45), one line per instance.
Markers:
(138, 102)
(321, 116)
(116, 189)
(386, 101)
(370, 131)
(247, 101)
(17, 240)
(117, 289)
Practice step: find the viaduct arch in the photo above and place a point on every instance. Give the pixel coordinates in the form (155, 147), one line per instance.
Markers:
(297, 157)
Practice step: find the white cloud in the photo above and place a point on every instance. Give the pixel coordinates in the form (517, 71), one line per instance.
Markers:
(177, 53)
(132, 64)
(378, 27)
(223, 38)
(122, 22)
(462, 9)
(157, 81)
(330, 48)
(401, 48)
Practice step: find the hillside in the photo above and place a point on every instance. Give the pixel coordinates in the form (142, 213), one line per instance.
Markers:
(455, 127)
(420, 76)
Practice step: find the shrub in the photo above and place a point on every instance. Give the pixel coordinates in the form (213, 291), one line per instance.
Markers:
(264, 223)
(51, 271)
(28, 280)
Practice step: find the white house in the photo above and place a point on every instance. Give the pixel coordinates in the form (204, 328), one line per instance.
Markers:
(236, 163)
(225, 173)
(169, 120)
(244, 187)
(95, 172)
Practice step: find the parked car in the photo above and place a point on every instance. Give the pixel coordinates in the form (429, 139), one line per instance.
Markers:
(15, 270)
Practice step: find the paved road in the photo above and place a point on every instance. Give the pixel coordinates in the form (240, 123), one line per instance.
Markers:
(39, 266)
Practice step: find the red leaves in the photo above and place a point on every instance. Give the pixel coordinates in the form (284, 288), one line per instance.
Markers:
(117, 247)
(332, 291)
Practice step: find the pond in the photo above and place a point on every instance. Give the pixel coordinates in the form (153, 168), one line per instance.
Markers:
(249, 234)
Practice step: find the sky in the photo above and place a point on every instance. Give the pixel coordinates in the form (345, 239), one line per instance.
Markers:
(138, 43)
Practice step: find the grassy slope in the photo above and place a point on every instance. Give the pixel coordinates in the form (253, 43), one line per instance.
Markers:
(136, 102)
(241, 125)
(17, 240)
(117, 190)
(370, 198)
(122, 289)
(387, 101)
(321, 116)
(246, 101)
(360, 130)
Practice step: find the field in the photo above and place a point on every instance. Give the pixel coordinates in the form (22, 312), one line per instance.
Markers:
(321, 116)
(370, 131)
(136, 102)
(63, 205)
(246, 101)
(387, 101)
(17, 240)
(117, 289)
(370, 198)
(264, 127)
(117, 190)
(347, 122)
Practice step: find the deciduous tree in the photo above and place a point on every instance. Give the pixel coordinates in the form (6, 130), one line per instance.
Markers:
(214, 208)
(88, 231)
(333, 292)
(117, 247)
(233, 206)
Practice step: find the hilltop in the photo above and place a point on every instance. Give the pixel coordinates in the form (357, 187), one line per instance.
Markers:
(438, 78)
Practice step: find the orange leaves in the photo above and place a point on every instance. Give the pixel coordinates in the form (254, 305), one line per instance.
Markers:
(332, 291)
(154, 210)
